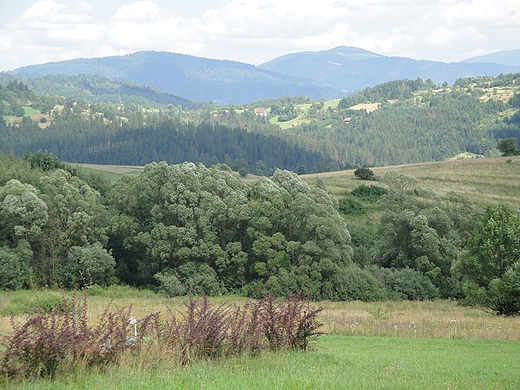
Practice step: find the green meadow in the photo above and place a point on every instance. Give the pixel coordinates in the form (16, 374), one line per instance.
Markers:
(338, 362)
(368, 345)
(481, 180)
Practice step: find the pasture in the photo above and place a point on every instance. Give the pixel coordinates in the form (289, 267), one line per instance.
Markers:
(379, 345)
(481, 180)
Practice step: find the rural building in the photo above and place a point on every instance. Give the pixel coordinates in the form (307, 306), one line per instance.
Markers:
(261, 112)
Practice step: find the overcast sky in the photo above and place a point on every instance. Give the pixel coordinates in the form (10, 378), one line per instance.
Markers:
(254, 31)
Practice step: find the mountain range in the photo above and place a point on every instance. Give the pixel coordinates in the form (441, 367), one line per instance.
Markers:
(323, 74)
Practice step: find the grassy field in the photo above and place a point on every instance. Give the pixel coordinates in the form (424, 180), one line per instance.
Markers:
(482, 180)
(383, 345)
(337, 363)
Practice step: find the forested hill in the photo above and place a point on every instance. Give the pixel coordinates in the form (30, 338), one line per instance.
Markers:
(98, 89)
(323, 74)
(403, 121)
(195, 78)
(79, 131)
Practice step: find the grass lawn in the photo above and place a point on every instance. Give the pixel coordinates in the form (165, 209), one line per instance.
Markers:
(338, 362)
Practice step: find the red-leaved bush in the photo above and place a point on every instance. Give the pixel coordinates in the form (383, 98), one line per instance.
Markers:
(62, 340)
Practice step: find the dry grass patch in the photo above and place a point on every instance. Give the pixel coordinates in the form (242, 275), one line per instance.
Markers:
(482, 180)
(430, 319)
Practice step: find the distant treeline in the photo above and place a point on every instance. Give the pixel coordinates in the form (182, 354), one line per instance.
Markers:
(174, 142)
(416, 122)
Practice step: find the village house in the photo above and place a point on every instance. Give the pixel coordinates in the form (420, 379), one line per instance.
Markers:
(261, 112)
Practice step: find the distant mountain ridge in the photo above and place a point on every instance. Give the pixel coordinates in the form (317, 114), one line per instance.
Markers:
(97, 89)
(507, 57)
(191, 77)
(322, 74)
(353, 69)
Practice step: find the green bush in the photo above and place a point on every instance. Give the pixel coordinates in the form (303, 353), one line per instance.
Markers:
(87, 266)
(14, 267)
(369, 193)
(504, 293)
(39, 302)
(411, 284)
(349, 206)
(353, 283)
(364, 174)
(190, 278)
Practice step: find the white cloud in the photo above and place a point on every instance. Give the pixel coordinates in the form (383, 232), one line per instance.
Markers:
(255, 31)
(138, 9)
(50, 12)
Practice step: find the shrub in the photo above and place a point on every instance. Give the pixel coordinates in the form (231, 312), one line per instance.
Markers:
(369, 193)
(364, 174)
(411, 284)
(504, 293)
(38, 303)
(353, 283)
(350, 206)
(47, 341)
(87, 266)
(190, 278)
(14, 267)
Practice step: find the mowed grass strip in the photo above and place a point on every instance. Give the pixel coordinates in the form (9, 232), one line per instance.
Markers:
(338, 362)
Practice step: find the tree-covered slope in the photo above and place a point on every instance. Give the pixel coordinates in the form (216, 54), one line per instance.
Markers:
(414, 121)
(98, 89)
(191, 77)
(402, 121)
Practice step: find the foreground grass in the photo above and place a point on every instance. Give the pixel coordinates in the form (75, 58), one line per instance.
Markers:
(376, 345)
(339, 362)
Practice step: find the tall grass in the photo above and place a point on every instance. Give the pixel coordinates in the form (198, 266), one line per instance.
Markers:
(481, 180)
(438, 319)
(391, 345)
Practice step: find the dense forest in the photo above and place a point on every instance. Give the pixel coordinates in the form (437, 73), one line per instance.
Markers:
(188, 229)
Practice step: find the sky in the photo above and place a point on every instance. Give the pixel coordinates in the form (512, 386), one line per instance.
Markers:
(254, 31)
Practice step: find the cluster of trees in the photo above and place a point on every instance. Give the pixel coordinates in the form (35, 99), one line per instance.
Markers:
(508, 147)
(190, 229)
(52, 232)
(393, 90)
(185, 227)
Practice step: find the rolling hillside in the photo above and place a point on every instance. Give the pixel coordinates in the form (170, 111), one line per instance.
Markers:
(482, 180)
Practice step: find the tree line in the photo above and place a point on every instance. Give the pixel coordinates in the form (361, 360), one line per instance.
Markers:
(188, 229)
